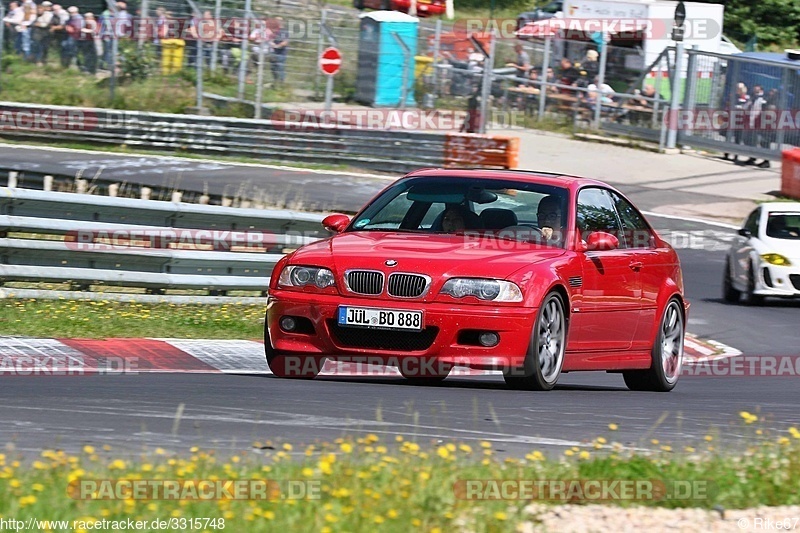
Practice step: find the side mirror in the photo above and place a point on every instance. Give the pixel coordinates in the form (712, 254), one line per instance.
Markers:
(744, 232)
(600, 240)
(335, 223)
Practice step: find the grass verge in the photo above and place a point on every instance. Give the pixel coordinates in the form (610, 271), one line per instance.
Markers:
(362, 484)
(108, 319)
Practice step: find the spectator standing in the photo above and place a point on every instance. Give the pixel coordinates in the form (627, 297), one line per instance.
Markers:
(568, 74)
(58, 29)
(40, 33)
(752, 135)
(15, 16)
(741, 102)
(522, 62)
(24, 28)
(279, 48)
(86, 45)
(160, 30)
(590, 64)
(208, 31)
(73, 27)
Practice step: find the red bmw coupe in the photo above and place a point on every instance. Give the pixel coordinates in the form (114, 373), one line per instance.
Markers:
(531, 273)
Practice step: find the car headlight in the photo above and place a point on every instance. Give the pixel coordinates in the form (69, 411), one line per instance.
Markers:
(301, 276)
(776, 259)
(493, 290)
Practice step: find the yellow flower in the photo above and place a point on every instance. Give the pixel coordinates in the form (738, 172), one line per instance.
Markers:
(346, 447)
(381, 449)
(160, 451)
(416, 522)
(235, 459)
(424, 476)
(399, 438)
(372, 438)
(330, 518)
(654, 441)
(794, 432)
(269, 515)
(486, 444)
(465, 448)
(708, 438)
(379, 520)
(500, 515)
(287, 447)
(308, 472)
(152, 507)
(391, 513)
(194, 449)
(783, 441)
(443, 452)
(37, 487)
(613, 427)
(535, 456)
(14, 483)
(584, 454)
(569, 453)
(27, 500)
(601, 440)
(117, 464)
(667, 448)
(88, 450)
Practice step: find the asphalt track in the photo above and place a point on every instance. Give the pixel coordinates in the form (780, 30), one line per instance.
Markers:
(230, 412)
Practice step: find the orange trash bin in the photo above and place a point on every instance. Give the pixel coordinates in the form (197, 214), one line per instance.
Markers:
(790, 173)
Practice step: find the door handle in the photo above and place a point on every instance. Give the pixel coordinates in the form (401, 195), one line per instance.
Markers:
(636, 265)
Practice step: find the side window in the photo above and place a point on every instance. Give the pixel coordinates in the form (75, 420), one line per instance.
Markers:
(596, 213)
(634, 228)
(751, 224)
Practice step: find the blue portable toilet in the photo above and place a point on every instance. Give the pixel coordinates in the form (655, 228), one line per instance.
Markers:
(381, 58)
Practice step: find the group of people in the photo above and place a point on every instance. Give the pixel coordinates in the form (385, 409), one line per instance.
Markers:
(32, 31)
(35, 31)
(755, 133)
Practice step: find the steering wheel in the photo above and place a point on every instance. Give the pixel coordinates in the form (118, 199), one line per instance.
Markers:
(523, 232)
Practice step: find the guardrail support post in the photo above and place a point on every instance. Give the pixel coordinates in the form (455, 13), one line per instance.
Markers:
(81, 186)
(113, 190)
(204, 199)
(176, 196)
(12, 178)
(146, 192)
(226, 202)
(47, 183)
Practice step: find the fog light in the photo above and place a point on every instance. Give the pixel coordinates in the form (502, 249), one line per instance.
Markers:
(489, 339)
(288, 323)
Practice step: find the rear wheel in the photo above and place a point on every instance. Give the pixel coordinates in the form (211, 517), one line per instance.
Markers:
(729, 293)
(667, 354)
(545, 355)
(291, 365)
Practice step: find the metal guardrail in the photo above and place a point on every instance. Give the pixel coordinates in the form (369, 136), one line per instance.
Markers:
(85, 240)
(383, 150)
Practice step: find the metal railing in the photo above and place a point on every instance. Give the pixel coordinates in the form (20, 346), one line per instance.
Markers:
(83, 240)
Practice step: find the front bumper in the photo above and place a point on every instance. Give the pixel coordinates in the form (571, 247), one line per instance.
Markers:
(773, 280)
(447, 334)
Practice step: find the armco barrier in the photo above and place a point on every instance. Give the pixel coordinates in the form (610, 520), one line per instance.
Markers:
(87, 240)
(383, 150)
(487, 151)
(790, 173)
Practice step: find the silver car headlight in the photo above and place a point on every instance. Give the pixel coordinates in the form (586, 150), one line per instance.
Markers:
(493, 290)
(301, 276)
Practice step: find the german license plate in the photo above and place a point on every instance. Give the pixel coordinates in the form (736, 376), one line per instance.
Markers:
(367, 317)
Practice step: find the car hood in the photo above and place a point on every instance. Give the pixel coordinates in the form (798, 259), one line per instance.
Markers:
(789, 248)
(431, 254)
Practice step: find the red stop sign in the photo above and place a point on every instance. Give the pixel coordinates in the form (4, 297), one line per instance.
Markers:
(330, 61)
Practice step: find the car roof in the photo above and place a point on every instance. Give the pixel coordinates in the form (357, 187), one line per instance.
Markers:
(773, 207)
(532, 176)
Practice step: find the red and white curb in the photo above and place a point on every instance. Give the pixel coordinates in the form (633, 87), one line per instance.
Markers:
(34, 356)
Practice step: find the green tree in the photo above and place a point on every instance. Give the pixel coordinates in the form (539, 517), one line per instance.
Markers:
(773, 22)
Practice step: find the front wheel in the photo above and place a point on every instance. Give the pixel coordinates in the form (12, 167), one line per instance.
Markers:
(750, 296)
(729, 293)
(545, 355)
(667, 354)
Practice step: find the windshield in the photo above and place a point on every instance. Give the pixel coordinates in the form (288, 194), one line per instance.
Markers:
(505, 209)
(784, 226)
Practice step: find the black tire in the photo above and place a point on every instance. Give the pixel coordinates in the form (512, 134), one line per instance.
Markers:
(667, 354)
(286, 366)
(751, 298)
(729, 293)
(548, 338)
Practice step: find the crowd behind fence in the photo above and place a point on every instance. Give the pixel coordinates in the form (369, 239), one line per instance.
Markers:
(275, 47)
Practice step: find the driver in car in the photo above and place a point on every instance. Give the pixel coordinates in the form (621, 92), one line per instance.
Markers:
(548, 214)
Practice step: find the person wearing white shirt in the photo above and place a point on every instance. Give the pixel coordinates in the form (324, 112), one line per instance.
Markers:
(15, 16)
